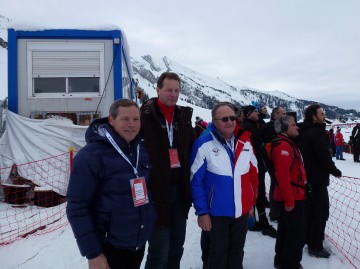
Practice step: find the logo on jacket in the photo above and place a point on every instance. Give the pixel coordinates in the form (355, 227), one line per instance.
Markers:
(216, 151)
(284, 153)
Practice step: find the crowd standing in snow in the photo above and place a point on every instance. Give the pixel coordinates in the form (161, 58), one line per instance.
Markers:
(140, 191)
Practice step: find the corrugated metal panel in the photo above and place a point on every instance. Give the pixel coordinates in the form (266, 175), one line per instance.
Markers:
(66, 63)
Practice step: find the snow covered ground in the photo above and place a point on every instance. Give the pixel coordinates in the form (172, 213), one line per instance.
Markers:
(58, 249)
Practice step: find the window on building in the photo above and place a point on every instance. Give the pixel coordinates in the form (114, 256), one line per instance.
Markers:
(65, 69)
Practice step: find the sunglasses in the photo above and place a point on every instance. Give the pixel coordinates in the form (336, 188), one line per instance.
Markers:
(226, 119)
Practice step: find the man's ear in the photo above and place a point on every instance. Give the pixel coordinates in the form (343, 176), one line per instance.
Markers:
(111, 120)
(314, 118)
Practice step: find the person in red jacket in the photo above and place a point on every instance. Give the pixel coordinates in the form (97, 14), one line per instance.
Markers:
(339, 141)
(291, 192)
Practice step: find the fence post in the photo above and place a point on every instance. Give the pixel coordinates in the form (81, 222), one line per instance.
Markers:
(71, 157)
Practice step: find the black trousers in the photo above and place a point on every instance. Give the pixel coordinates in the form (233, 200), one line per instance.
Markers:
(356, 151)
(261, 198)
(333, 149)
(227, 240)
(205, 246)
(290, 238)
(123, 258)
(317, 214)
(275, 206)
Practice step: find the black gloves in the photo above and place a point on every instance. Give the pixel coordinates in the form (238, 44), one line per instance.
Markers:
(336, 173)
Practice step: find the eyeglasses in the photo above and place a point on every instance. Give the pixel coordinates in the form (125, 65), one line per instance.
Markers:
(226, 119)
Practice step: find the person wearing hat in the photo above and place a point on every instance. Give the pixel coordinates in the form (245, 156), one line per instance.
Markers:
(250, 124)
(200, 126)
(263, 113)
(339, 141)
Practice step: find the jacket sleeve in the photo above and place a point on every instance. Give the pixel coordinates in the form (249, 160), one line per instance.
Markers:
(82, 190)
(197, 177)
(282, 157)
(318, 143)
(254, 179)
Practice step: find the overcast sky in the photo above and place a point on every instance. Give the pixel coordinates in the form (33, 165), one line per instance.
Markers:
(309, 49)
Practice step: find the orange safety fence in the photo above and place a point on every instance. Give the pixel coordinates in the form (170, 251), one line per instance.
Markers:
(32, 198)
(343, 225)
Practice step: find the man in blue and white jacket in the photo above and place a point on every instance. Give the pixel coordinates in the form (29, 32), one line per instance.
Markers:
(224, 187)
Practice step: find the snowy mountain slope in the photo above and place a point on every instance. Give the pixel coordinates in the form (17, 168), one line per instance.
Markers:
(204, 91)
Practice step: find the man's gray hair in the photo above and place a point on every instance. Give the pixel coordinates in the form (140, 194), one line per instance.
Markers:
(279, 124)
(114, 108)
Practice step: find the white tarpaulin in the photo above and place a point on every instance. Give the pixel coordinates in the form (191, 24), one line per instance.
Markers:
(29, 140)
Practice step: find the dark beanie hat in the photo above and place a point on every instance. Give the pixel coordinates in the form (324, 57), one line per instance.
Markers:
(248, 110)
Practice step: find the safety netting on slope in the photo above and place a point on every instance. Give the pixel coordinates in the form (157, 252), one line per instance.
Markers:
(27, 207)
(343, 226)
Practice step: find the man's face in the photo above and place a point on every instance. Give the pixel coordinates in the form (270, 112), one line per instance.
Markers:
(127, 122)
(292, 129)
(169, 93)
(226, 129)
(281, 112)
(254, 116)
(320, 116)
(263, 110)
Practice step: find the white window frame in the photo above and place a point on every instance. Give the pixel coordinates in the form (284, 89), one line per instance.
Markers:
(64, 46)
(126, 88)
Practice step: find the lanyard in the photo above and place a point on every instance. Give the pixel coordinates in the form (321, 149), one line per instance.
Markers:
(231, 144)
(112, 141)
(170, 131)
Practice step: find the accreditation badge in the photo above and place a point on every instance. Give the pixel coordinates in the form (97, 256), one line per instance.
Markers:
(139, 191)
(174, 158)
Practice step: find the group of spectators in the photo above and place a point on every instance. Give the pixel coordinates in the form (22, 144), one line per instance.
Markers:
(336, 142)
(142, 169)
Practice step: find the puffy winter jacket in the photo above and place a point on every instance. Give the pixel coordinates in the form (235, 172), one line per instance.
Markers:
(223, 183)
(289, 171)
(100, 206)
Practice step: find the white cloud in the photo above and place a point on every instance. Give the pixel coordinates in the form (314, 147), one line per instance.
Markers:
(304, 48)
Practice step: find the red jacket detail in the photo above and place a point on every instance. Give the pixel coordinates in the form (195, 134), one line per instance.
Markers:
(339, 139)
(289, 170)
(246, 171)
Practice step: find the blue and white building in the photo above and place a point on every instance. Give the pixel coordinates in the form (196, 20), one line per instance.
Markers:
(68, 72)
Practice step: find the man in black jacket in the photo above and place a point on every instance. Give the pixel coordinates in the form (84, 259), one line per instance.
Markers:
(168, 137)
(355, 140)
(250, 124)
(319, 166)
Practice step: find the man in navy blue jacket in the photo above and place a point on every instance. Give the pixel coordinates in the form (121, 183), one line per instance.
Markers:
(109, 207)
